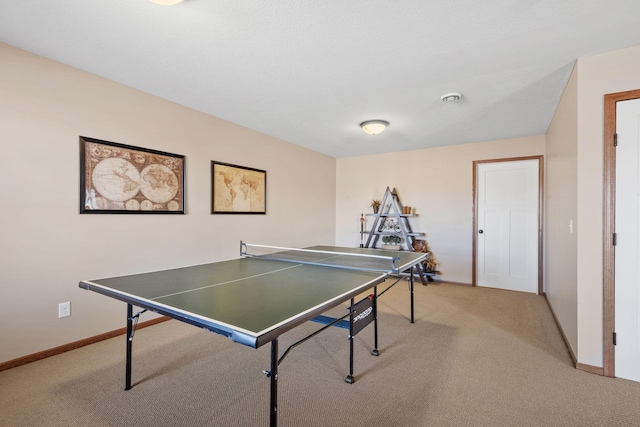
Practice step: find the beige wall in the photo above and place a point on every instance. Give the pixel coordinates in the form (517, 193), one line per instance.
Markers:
(598, 75)
(437, 182)
(560, 209)
(47, 246)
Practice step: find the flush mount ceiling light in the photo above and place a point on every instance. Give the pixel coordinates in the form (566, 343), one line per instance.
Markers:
(374, 127)
(166, 2)
(451, 97)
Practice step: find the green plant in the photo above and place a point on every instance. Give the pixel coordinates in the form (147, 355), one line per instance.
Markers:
(375, 203)
(391, 240)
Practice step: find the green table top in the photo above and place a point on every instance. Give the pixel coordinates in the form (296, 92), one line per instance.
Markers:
(250, 300)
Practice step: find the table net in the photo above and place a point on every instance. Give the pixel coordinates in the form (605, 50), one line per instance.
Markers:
(338, 258)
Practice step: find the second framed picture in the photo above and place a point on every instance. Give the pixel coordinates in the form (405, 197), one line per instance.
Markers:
(238, 189)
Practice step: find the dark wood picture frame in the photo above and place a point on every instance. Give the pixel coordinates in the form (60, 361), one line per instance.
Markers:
(238, 189)
(121, 179)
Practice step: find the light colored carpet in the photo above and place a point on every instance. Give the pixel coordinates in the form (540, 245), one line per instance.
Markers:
(474, 357)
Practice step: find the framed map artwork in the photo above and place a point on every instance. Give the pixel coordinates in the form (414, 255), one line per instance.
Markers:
(118, 178)
(237, 189)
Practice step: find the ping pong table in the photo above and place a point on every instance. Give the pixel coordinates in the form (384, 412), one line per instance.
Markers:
(264, 293)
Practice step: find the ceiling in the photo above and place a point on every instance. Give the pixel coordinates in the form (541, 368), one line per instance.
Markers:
(309, 72)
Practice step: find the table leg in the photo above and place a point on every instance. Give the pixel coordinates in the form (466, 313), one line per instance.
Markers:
(127, 382)
(273, 418)
(411, 289)
(424, 279)
(349, 379)
(374, 304)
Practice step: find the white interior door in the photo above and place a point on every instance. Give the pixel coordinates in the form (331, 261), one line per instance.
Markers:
(507, 218)
(627, 289)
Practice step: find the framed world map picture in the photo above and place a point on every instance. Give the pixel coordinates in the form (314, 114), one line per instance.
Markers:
(238, 189)
(118, 178)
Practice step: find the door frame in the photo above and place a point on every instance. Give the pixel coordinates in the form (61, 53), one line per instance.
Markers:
(540, 159)
(609, 217)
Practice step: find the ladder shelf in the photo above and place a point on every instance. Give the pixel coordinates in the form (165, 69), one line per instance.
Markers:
(390, 220)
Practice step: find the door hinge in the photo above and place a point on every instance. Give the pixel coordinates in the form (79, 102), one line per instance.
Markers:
(614, 338)
(615, 239)
(615, 139)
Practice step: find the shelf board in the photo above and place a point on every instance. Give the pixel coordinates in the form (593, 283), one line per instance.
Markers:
(390, 214)
(391, 233)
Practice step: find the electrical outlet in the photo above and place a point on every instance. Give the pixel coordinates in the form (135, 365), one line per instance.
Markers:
(64, 309)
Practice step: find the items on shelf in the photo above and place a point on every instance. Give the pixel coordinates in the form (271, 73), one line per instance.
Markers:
(375, 204)
(430, 264)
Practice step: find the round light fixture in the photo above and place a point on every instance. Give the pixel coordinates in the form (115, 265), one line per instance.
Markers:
(374, 127)
(166, 2)
(451, 97)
